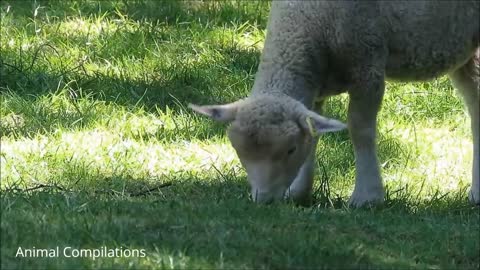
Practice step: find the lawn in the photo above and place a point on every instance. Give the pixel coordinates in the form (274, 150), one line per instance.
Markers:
(99, 150)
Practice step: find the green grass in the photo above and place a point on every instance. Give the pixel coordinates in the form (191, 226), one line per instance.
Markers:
(94, 119)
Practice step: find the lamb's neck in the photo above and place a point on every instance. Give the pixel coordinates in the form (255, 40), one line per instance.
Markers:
(285, 77)
(289, 64)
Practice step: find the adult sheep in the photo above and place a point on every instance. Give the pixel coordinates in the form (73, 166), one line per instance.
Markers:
(315, 49)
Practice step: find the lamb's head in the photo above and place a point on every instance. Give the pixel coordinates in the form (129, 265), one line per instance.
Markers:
(273, 137)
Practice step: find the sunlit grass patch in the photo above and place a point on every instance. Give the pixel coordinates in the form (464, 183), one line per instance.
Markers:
(43, 159)
(437, 160)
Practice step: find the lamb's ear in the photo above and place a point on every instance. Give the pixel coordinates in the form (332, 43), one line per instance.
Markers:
(316, 124)
(222, 113)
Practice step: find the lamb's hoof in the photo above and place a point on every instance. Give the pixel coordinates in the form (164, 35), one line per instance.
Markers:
(474, 196)
(364, 198)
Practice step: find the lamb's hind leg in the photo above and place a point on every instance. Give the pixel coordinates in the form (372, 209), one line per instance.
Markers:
(467, 81)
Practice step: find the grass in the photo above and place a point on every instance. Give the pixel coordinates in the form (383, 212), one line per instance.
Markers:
(98, 149)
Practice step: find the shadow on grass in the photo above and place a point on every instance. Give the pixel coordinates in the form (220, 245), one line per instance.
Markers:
(212, 223)
(75, 108)
(173, 86)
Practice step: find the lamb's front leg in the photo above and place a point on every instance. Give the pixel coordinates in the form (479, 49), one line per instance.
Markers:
(300, 191)
(365, 100)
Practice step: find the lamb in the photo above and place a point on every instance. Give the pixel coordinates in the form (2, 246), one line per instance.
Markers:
(316, 49)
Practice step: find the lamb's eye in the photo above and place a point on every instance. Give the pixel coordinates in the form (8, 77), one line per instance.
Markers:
(291, 150)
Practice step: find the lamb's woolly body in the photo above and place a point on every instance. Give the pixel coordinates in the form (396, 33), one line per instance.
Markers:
(314, 48)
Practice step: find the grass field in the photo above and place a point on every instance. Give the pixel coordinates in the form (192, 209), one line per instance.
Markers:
(99, 150)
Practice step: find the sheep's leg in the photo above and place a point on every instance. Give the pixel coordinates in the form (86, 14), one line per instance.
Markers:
(300, 191)
(467, 81)
(365, 100)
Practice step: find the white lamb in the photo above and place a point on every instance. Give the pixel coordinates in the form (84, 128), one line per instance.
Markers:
(315, 49)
